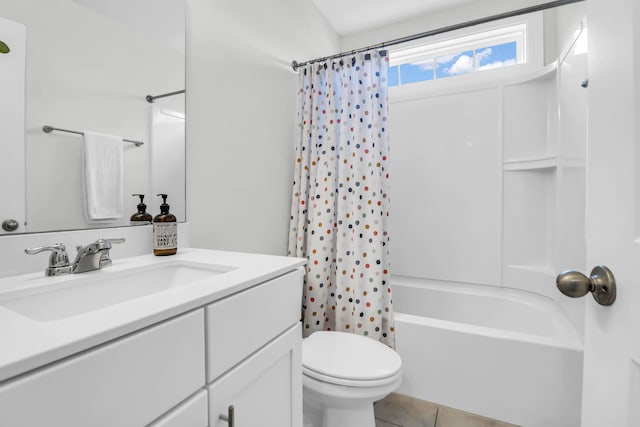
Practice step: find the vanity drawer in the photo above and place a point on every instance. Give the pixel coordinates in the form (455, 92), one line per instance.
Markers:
(192, 413)
(129, 382)
(242, 323)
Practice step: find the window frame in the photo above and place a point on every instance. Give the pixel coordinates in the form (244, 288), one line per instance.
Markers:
(525, 30)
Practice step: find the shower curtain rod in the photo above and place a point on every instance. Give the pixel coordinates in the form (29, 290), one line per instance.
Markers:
(151, 98)
(517, 12)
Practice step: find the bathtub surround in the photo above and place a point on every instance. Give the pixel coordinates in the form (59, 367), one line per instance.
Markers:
(340, 202)
(490, 174)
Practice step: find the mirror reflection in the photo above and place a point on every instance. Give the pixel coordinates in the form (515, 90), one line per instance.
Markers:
(87, 66)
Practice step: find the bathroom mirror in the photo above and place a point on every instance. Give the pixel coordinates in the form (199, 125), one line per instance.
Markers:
(88, 65)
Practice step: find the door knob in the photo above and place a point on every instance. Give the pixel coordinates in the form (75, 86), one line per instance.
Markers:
(10, 225)
(601, 284)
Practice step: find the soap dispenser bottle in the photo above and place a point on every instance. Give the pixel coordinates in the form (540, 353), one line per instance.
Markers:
(141, 217)
(165, 230)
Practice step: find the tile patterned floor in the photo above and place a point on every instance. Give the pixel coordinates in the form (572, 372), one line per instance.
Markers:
(397, 410)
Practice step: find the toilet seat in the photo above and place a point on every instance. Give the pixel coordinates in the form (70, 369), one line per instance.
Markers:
(348, 359)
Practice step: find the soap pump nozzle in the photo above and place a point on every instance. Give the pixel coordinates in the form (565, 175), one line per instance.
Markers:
(142, 208)
(141, 217)
(164, 207)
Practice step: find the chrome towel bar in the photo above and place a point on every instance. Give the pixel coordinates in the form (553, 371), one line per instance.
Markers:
(49, 129)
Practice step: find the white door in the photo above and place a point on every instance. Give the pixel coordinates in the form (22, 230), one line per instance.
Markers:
(12, 78)
(611, 394)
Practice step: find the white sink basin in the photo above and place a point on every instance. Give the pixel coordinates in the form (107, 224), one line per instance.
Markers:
(81, 293)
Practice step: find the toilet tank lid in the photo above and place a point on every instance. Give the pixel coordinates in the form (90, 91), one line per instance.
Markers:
(349, 356)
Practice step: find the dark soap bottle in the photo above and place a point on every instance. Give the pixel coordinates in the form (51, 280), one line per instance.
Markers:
(141, 217)
(165, 230)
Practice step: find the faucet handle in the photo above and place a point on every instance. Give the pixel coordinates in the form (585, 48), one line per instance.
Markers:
(116, 240)
(55, 247)
(103, 245)
(106, 243)
(58, 260)
(98, 245)
(58, 257)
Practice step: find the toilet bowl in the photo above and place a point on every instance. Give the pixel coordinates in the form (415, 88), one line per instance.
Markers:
(343, 374)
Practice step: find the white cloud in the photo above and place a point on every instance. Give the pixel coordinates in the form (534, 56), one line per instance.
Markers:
(497, 64)
(446, 58)
(464, 64)
(425, 65)
(485, 53)
(429, 64)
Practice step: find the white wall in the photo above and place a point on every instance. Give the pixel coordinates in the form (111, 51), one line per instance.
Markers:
(88, 69)
(241, 117)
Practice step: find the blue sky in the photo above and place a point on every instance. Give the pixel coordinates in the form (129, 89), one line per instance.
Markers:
(451, 65)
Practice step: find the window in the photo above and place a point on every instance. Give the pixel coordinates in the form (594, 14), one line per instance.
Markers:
(470, 53)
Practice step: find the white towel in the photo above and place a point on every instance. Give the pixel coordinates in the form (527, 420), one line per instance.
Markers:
(103, 176)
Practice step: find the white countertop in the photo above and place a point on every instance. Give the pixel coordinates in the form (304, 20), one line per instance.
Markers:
(26, 344)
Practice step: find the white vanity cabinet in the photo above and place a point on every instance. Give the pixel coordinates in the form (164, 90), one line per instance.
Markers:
(128, 382)
(241, 349)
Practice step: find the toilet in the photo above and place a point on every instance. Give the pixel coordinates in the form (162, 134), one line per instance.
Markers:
(343, 374)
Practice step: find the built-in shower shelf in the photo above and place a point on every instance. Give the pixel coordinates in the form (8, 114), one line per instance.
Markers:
(543, 73)
(531, 163)
(533, 268)
(573, 162)
(539, 279)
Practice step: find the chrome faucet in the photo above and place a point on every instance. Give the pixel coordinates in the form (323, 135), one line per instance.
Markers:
(93, 256)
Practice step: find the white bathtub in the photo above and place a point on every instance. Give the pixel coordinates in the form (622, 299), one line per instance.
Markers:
(505, 354)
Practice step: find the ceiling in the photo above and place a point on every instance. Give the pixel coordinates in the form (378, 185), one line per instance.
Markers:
(352, 16)
(165, 24)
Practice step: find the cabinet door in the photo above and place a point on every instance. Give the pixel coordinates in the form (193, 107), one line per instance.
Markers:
(265, 390)
(190, 413)
(129, 382)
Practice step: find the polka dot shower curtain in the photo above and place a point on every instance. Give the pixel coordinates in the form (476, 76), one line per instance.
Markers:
(340, 204)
